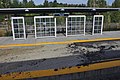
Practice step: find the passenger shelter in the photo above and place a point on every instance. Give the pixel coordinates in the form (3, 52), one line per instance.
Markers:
(45, 22)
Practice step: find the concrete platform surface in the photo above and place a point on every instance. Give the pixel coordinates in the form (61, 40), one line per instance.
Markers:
(9, 40)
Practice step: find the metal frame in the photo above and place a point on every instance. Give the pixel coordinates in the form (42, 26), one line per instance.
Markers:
(93, 32)
(40, 17)
(55, 9)
(52, 23)
(80, 26)
(12, 23)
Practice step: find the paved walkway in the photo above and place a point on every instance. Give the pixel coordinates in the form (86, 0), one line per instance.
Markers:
(31, 41)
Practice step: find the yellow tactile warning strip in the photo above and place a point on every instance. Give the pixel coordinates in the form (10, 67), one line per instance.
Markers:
(64, 42)
(52, 72)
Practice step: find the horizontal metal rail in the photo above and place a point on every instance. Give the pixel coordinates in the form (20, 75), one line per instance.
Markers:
(53, 10)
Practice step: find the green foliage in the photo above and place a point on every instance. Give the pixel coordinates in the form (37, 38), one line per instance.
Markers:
(15, 3)
(46, 4)
(115, 16)
(2, 33)
(97, 3)
(8, 33)
(60, 21)
(25, 2)
(116, 4)
(91, 3)
(30, 4)
(5, 3)
(55, 3)
(101, 3)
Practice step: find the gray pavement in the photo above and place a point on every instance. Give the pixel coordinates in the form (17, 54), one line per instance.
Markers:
(76, 59)
(57, 63)
(31, 39)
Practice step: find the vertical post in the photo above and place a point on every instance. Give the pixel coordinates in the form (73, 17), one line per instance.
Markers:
(24, 28)
(102, 24)
(93, 25)
(66, 25)
(84, 24)
(55, 27)
(12, 28)
(35, 27)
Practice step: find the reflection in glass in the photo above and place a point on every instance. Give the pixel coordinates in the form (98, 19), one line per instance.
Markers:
(75, 26)
(46, 27)
(15, 21)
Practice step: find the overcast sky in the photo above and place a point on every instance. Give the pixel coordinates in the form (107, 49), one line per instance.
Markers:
(68, 1)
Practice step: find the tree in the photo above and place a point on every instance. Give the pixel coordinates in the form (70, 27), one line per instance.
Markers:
(21, 5)
(25, 3)
(116, 4)
(31, 4)
(101, 3)
(115, 16)
(55, 3)
(46, 3)
(5, 3)
(15, 3)
(91, 3)
(97, 3)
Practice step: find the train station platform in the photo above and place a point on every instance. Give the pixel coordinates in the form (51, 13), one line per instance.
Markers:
(35, 62)
(7, 42)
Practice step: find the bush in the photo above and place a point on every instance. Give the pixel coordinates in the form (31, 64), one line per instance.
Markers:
(2, 33)
(8, 33)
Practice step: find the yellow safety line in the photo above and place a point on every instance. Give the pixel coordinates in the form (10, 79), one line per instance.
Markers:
(51, 72)
(63, 42)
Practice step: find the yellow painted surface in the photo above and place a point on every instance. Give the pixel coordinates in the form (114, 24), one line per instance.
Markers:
(51, 72)
(64, 42)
